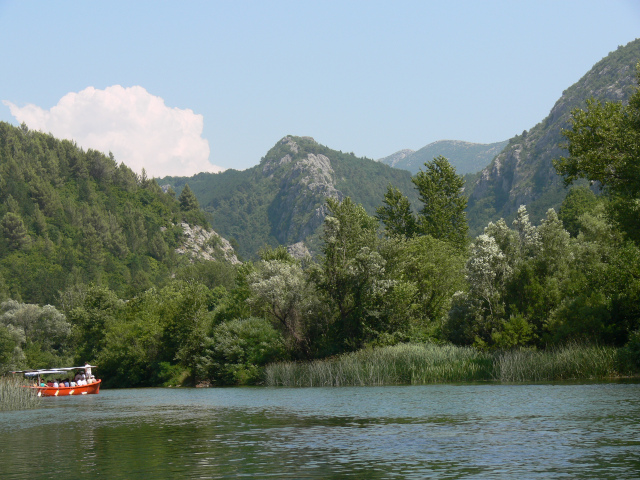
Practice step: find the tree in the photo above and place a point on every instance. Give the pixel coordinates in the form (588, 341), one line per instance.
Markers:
(435, 269)
(14, 231)
(604, 147)
(188, 200)
(90, 321)
(396, 214)
(238, 350)
(441, 192)
(352, 273)
(280, 289)
(579, 200)
(44, 332)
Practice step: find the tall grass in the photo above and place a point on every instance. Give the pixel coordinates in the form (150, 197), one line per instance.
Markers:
(568, 362)
(417, 364)
(13, 395)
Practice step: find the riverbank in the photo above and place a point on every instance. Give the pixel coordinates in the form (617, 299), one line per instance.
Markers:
(13, 395)
(418, 364)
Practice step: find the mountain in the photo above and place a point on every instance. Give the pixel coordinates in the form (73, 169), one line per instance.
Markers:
(282, 201)
(70, 217)
(523, 174)
(466, 157)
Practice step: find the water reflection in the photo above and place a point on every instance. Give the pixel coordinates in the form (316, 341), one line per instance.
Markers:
(465, 431)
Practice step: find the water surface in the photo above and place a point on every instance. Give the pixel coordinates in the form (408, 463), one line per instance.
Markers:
(441, 431)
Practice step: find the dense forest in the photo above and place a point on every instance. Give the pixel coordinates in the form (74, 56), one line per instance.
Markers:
(89, 272)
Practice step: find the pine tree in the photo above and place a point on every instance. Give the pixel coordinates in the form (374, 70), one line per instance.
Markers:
(188, 200)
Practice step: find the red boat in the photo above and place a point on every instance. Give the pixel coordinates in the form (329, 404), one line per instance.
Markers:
(55, 389)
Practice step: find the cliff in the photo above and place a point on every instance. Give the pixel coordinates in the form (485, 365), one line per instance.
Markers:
(523, 173)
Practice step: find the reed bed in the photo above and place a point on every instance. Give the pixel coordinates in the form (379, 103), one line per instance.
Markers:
(399, 364)
(13, 396)
(568, 362)
(418, 364)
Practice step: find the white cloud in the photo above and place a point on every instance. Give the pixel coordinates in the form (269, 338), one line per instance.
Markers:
(136, 126)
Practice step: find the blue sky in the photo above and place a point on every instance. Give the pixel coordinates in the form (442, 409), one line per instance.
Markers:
(182, 87)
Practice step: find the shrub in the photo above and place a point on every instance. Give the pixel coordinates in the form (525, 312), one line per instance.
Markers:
(238, 350)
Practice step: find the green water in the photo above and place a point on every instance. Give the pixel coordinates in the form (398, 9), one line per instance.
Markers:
(440, 431)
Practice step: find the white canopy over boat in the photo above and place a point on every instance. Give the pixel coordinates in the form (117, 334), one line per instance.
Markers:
(44, 371)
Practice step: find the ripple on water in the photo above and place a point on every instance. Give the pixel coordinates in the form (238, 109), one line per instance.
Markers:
(440, 431)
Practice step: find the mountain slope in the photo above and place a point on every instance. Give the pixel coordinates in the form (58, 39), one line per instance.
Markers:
(70, 217)
(465, 156)
(283, 199)
(523, 172)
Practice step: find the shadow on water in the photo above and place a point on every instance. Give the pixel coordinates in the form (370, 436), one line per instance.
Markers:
(437, 431)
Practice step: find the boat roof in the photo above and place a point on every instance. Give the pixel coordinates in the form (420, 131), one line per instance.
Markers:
(44, 371)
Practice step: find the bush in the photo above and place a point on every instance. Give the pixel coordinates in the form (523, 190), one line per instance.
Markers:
(238, 350)
(629, 357)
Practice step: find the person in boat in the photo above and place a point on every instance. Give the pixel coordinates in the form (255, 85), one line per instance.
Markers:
(78, 377)
(55, 383)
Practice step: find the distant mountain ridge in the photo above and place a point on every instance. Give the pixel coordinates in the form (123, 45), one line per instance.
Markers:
(282, 201)
(523, 174)
(467, 157)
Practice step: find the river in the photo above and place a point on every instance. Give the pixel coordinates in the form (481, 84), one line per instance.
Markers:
(487, 431)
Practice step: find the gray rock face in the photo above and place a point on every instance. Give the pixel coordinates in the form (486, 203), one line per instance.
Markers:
(523, 173)
(201, 244)
(306, 181)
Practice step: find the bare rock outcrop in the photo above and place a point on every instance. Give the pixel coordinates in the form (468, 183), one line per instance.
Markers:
(199, 243)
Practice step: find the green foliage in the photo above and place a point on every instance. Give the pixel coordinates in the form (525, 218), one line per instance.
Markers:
(396, 214)
(579, 201)
(15, 234)
(434, 269)
(442, 214)
(517, 279)
(91, 318)
(280, 291)
(188, 200)
(72, 217)
(630, 354)
(604, 147)
(238, 350)
(352, 274)
(32, 336)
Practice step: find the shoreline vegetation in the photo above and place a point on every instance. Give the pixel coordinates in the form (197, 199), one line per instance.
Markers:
(419, 364)
(13, 395)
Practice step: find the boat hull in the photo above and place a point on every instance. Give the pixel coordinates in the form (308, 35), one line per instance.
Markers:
(91, 388)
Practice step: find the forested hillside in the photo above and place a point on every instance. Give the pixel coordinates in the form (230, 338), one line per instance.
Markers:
(282, 201)
(523, 173)
(466, 157)
(70, 217)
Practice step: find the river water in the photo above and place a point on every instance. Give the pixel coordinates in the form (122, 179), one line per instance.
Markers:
(487, 431)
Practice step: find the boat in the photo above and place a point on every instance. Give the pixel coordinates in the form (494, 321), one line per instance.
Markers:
(92, 386)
